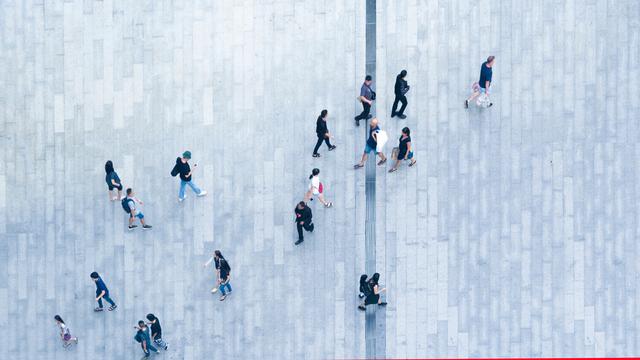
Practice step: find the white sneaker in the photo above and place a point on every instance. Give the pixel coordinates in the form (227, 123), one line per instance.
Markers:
(182, 199)
(202, 193)
(214, 290)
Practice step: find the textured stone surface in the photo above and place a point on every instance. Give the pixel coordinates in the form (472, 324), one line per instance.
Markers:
(515, 234)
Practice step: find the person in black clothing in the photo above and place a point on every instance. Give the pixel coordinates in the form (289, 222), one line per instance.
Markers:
(183, 169)
(303, 220)
(217, 256)
(113, 181)
(156, 331)
(400, 90)
(364, 287)
(323, 133)
(225, 277)
(373, 293)
(486, 73)
(367, 95)
(404, 150)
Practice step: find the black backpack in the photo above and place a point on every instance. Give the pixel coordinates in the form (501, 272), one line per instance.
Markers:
(125, 205)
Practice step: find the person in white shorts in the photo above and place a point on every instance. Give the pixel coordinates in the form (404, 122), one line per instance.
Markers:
(316, 189)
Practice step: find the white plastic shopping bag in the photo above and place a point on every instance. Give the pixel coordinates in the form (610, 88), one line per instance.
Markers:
(381, 140)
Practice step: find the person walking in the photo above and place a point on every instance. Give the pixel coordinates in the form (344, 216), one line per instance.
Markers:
(130, 207)
(400, 89)
(486, 73)
(102, 292)
(367, 96)
(113, 181)
(303, 220)
(316, 189)
(323, 133)
(364, 287)
(373, 293)
(183, 169)
(65, 333)
(217, 256)
(372, 145)
(404, 150)
(142, 336)
(225, 278)
(156, 331)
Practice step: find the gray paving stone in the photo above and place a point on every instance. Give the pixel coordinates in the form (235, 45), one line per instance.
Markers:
(515, 234)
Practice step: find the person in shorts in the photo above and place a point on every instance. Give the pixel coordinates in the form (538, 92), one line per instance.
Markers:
(130, 207)
(486, 74)
(404, 150)
(371, 145)
(316, 189)
(113, 181)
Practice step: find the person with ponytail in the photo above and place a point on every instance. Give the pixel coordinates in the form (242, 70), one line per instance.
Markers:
(113, 181)
(316, 189)
(323, 133)
(65, 334)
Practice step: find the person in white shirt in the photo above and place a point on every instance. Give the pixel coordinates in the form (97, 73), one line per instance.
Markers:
(316, 189)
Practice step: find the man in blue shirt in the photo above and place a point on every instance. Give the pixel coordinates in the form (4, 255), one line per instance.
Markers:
(371, 145)
(486, 73)
(102, 292)
(367, 95)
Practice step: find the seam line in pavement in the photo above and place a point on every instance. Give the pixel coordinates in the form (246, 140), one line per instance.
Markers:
(371, 332)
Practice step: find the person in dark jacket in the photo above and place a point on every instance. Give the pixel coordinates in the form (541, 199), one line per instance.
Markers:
(323, 133)
(400, 90)
(183, 169)
(225, 277)
(303, 220)
(364, 286)
(113, 181)
(374, 291)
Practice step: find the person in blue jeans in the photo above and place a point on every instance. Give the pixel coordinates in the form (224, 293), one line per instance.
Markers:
(183, 169)
(102, 293)
(142, 336)
(225, 278)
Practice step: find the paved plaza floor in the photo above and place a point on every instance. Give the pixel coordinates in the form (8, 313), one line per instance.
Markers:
(514, 235)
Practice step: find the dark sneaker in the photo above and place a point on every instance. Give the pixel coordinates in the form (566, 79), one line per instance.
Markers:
(316, 155)
(312, 227)
(466, 104)
(490, 105)
(393, 114)
(299, 242)
(112, 307)
(332, 147)
(402, 116)
(98, 309)
(382, 304)
(166, 347)
(361, 307)
(357, 123)
(382, 162)
(147, 227)
(131, 227)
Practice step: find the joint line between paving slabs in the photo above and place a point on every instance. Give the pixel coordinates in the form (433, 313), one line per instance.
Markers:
(373, 350)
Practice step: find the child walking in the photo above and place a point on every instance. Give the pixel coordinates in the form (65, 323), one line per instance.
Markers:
(65, 334)
(316, 189)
